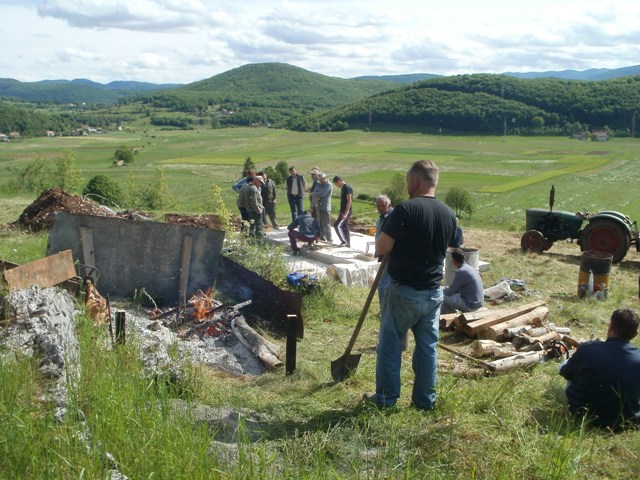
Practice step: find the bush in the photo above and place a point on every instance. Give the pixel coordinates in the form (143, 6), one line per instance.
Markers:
(459, 200)
(104, 191)
(124, 153)
(397, 191)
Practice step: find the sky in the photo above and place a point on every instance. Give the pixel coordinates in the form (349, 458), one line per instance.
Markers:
(182, 41)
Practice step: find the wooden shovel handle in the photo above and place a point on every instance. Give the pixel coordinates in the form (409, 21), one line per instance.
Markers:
(365, 309)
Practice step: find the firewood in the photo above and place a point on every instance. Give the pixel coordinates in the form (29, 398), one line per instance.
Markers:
(517, 361)
(500, 316)
(263, 349)
(500, 330)
(485, 348)
(448, 320)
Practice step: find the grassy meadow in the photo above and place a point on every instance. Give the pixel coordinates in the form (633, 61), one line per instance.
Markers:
(511, 426)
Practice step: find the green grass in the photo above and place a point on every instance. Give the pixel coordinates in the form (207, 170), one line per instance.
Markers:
(504, 427)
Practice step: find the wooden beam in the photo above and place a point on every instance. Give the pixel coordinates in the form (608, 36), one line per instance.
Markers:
(88, 257)
(500, 316)
(44, 272)
(499, 330)
(185, 266)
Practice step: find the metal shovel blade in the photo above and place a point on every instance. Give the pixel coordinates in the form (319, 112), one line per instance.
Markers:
(343, 367)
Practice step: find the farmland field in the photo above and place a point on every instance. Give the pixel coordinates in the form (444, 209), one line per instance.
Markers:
(505, 175)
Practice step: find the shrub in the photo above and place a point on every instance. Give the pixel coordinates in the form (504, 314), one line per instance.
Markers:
(104, 190)
(459, 200)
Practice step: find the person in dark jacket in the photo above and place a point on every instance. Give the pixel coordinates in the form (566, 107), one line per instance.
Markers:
(308, 231)
(604, 377)
(296, 186)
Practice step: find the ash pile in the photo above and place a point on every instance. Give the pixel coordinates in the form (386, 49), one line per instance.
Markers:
(206, 332)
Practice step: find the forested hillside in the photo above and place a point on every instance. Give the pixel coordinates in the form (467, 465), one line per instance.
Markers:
(484, 103)
(266, 93)
(283, 96)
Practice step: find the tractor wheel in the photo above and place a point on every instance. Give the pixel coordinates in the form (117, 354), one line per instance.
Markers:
(547, 244)
(604, 235)
(533, 241)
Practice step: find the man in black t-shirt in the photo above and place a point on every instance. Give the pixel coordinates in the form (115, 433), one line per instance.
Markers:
(341, 225)
(416, 238)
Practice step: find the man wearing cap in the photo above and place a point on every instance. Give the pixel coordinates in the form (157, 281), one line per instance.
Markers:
(296, 185)
(315, 171)
(253, 202)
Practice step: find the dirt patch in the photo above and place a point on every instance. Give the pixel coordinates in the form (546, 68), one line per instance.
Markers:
(202, 221)
(39, 215)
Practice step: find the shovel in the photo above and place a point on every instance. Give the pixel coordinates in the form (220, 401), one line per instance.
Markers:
(343, 367)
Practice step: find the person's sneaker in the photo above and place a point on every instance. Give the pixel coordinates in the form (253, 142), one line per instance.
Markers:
(342, 244)
(296, 253)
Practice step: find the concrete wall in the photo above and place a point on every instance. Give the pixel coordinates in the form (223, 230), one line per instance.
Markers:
(130, 255)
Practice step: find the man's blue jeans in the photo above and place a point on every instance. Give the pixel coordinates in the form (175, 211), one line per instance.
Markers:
(405, 308)
(295, 204)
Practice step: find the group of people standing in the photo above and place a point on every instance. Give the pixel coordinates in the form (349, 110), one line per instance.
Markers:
(320, 193)
(257, 203)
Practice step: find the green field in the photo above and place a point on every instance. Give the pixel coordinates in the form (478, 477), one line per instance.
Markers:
(504, 174)
(511, 426)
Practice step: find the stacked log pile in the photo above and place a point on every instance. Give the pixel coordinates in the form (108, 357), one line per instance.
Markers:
(513, 337)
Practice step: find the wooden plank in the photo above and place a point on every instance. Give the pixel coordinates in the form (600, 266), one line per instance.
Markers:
(44, 272)
(499, 330)
(185, 266)
(503, 315)
(88, 257)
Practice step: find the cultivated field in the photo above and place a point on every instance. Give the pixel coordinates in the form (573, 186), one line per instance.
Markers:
(512, 426)
(504, 174)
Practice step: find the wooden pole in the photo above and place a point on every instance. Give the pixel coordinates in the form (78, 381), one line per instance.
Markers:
(121, 320)
(292, 329)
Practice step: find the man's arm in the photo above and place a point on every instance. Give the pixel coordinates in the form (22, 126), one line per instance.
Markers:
(384, 244)
(347, 207)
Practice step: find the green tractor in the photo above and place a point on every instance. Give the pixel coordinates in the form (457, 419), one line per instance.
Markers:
(606, 231)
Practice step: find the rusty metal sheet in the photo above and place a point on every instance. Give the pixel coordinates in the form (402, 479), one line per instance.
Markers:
(267, 300)
(44, 272)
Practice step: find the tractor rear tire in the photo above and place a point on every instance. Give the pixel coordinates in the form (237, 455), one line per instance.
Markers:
(605, 235)
(533, 241)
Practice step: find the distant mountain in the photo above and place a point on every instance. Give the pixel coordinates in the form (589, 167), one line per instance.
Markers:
(592, 74)
(75, 91)
(407, 78)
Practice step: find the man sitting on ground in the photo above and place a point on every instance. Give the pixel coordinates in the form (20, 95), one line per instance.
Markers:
(308, 231)
(604, 377)
(465, 293)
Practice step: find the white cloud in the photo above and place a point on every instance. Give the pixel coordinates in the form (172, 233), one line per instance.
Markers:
(181, 41)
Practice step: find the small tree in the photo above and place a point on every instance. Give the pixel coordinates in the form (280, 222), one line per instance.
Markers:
(218, 207)
(283, 169)
(104, 190)
(125, 154)
(65, 175)
(248, 165)
(397, 191)
(459, 200)
(156, 196)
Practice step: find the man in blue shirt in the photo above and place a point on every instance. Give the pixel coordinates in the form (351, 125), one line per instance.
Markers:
(604, 377)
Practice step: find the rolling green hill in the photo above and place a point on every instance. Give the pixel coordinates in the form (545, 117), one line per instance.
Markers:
(266, 93)
(492, 104)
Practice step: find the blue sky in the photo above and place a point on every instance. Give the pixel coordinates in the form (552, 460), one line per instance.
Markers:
(181, 41)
